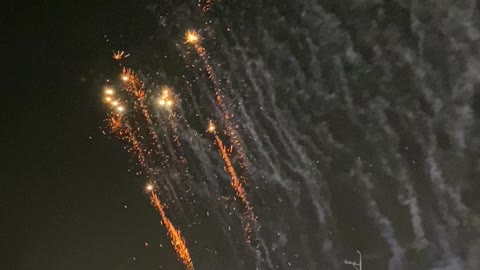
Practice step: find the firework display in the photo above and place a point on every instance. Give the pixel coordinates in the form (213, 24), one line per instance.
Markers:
(244, 120)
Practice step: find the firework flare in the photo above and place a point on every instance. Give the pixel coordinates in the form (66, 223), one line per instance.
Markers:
(177, 240)
(149, 149)
(280, 160)
(120, 126)
(192, 37)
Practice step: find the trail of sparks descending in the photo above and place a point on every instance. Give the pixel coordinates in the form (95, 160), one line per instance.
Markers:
(167, 100)
(193, 38)
(237, 185)
(134, 87)
(176, 237)
(125, 132)
(249, 220)
(119, 126)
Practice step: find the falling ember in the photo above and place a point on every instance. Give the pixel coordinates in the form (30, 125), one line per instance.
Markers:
(114, 103)
(237, 185)
(120, 109)
(149, 187)
(176, 237)
(108, 99)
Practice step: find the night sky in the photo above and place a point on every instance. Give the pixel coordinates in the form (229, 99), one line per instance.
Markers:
(359, 122)
(64, 185)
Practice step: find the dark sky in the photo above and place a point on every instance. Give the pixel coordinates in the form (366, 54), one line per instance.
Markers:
(63, 184)
(68, 200)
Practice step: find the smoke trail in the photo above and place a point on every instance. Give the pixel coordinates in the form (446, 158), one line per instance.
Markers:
(383, 223)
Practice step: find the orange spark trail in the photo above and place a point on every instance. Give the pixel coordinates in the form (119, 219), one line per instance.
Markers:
(125, 132)
(203, 55)
(205, 7)
(176, 140)
(236, 184)
(173, 117)
(250, 220)
(176, 237)
(192, 37)
(135, 87)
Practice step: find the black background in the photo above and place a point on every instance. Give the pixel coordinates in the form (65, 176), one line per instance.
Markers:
(63, 182)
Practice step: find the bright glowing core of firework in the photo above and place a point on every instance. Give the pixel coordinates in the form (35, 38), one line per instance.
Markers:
(165, 102)
(164, 99)
(191, 37)
(149, 187)
(211, 128)
(109, 91)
